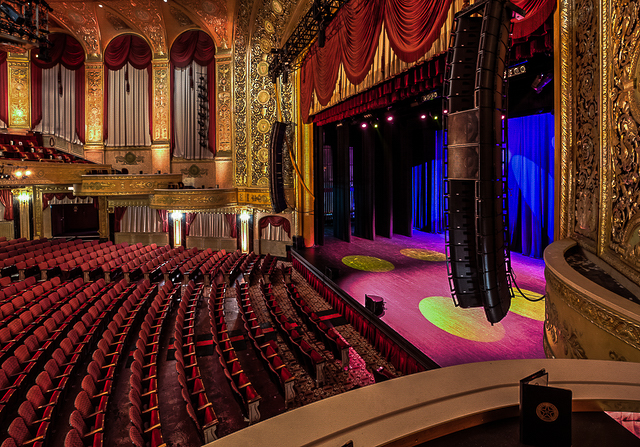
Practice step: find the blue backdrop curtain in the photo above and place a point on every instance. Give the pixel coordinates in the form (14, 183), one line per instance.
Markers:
(428, 198)
(531, 210)
(531, 160)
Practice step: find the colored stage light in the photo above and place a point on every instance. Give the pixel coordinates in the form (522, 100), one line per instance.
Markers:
(363, 125)
(423, 117)
(389, 118)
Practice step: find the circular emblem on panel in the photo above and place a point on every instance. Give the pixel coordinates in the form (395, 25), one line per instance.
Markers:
(142, 15)
(277, 7)
(194, 170)
(130, 158)
(263, 96)
(547, 412)
(263, 126)
(208, 7)
(76, 17)
(265, 45)
(263, 68)
(263, 181)
(268, 27)
(263, 155)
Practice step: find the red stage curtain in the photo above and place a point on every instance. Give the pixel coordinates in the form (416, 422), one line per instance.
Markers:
(4, 87)
(6, 198)
(188, 220)
(118, 214)
(397, 356)
(231, 219)
(276, 221)
(48, 196)
(68, 52)
(325, 74)
(135, 50)
(538, 11)
(197, 46)
(413, 25)
(164, 215)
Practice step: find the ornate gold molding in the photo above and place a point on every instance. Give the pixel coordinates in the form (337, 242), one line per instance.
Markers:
(193, 199)
(224, 88)
(103, 217)
(94, 112)
(44, 173)
(19, 91)
(161, 102)
(38, 220)
(622, 328)
(120, 185)
(113, 202)
(605, 186)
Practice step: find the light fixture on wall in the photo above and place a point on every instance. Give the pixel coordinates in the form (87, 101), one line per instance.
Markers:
(244, 230)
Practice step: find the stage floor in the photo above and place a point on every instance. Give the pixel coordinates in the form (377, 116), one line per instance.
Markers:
(410, 273)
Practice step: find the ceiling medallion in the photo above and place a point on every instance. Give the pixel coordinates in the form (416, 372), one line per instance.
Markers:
(143, 15)
(277, 7)
(208, 7)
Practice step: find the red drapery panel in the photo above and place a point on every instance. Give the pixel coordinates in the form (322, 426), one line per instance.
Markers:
(135, 50)
(231, 219)
(6, 198)
(60, 196)
(413, 25)
(397, 356)
(118, 214)
(164, 215)
(4, 87)
(188, 220)
(276, 221)
(66, 51)
(538, 11)
(196, 46)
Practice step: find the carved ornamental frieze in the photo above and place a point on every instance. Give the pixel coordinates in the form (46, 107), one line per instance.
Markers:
(124, 185)
(161, 103)
(240, 92)
(94, 73)
(223, 102)
(19, 88)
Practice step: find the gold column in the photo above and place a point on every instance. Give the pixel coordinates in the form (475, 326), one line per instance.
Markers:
(103, 217)
(223, 101)
(94, 111)
(24, 197)
(19, 91)
(161, 115)
(38, 221)
(305, 201)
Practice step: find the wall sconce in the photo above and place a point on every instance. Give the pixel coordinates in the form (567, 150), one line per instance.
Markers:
(244, 230)
(24, 196)
(20, 173)
(177, 228)
(245, 216)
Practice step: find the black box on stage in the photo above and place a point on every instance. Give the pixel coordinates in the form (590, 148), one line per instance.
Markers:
(374, 304)
(545, 412)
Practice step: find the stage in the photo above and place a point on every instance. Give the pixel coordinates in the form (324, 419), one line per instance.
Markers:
(410, 273)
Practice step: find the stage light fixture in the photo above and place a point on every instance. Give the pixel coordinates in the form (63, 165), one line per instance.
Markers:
(27, 173)
(390, 118)
(363, 125)
(12, 14)
(541, 81)
(423, 117)
(17, 174)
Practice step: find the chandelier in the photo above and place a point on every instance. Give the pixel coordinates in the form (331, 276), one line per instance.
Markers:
(24, 24)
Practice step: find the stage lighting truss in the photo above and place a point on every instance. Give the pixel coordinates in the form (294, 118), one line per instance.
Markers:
(24, 24)
(311, 27)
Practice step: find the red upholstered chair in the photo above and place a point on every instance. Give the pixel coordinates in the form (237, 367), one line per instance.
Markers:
(23, 436)
(84, 434)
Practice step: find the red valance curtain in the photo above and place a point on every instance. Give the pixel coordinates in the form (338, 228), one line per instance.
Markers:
(164, 216)
(276, 221)
(188, 220)
(196, 46)
(118, 214)
(412, 27)
(4, 87)
(66, 51)
(6, 198)
(231, 219)
(134, 50)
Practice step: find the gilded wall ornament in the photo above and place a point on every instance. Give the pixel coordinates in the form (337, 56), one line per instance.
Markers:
(194, 171)
(180, 17)
(161, 104)
(94, 73)
(19, 97)
(116, 22)
(223, 106)
(130, 159)
(240, 93)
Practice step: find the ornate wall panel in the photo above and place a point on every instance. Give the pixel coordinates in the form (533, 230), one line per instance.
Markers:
(124, 185)
(223, 101)
(19, 91)
(80, 19)
(240, 92)
(147, 16)
(94, 112)
(587, 116)
(193, 199)
(161, 102)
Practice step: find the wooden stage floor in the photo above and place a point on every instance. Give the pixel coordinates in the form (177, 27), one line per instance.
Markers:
(410, 273)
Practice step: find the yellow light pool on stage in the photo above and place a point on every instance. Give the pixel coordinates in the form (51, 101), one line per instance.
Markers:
(367, 263)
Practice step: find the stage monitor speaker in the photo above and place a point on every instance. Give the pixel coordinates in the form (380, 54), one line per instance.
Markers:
(276, 184)
(374, 304)
(475, 173)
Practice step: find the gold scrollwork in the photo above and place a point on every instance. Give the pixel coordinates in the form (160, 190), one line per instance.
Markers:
(94, 103)
(161, 104)
(19, 98)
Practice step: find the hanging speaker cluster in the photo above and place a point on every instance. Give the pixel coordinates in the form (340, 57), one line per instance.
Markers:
(475, 158)
(276, 184)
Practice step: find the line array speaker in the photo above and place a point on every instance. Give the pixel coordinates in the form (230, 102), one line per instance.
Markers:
(276, 184)
(475, 160)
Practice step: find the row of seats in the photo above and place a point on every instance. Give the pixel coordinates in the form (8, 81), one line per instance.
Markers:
(241, 387)
(210, 270)
(313, 361)
(331, 339)
(192, 386)
(150, 268)
(190, 270)
(249, 267)
(230, 265)
(16, 261)
(146, 429)
(265, 346)
(37, 153)
(268, 266)
(53, 357)
(169, 270)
